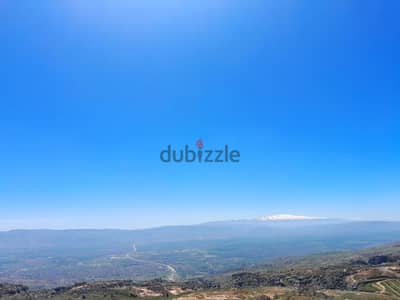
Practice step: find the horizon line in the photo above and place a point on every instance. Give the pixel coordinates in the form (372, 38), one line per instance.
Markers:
(198, 224)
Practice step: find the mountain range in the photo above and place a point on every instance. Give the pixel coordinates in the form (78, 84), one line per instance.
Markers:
(49, 258)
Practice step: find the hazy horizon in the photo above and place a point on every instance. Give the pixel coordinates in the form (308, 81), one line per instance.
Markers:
(257, 218)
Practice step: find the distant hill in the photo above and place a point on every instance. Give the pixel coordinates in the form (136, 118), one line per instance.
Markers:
(48, 258)
(370, 274)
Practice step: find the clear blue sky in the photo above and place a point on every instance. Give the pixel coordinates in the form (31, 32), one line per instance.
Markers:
(90, 92)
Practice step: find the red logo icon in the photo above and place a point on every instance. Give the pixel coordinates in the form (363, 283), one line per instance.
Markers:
(199, 143)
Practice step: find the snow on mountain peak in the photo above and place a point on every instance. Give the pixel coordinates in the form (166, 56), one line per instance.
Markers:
(285, 217)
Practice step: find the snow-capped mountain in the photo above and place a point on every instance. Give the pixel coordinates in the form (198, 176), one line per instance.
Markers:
(287, 217)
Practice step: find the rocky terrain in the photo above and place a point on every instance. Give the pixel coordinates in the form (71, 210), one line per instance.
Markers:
(369, 274)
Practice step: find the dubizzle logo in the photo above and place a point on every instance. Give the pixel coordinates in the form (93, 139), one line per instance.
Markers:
(200, 155)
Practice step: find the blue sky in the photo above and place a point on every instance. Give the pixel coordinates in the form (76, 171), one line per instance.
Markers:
(308, 91)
